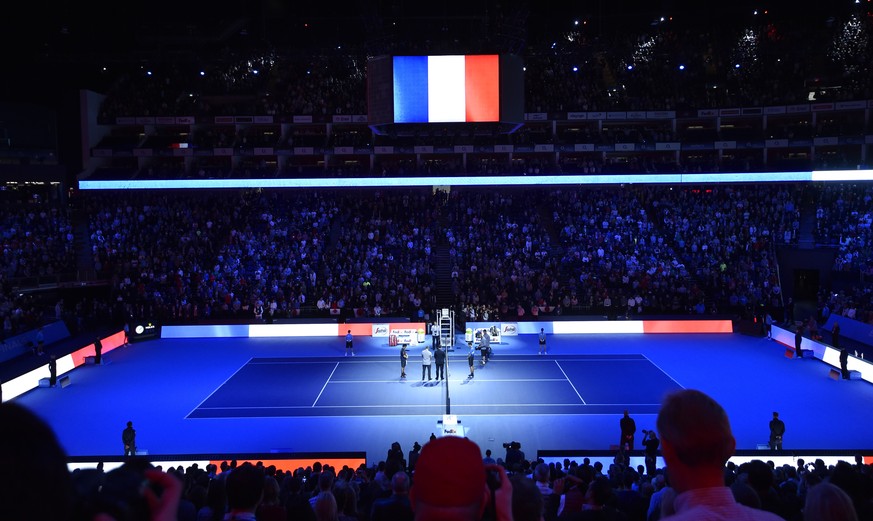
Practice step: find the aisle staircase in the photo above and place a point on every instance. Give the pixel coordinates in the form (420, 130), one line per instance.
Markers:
(442, 266)
(806, 229)
(82, 243)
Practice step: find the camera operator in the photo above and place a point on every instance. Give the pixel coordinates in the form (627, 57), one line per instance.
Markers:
(514, 455)
(651, 444)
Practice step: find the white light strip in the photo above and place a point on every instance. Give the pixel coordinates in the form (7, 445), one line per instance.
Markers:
(843, 175)
(289, 330)
(597, 327)
(545, 180)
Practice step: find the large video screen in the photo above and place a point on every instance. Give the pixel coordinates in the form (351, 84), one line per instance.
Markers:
(445, 89)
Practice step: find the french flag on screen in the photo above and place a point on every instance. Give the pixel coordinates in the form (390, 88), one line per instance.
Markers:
(442, 89)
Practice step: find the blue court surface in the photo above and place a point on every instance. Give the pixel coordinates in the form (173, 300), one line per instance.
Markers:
(232, 395)
(569, 384)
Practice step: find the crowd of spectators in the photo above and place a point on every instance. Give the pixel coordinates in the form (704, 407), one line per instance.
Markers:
(36, 246)
(36, 238)
(449, 472)
(508, 253)
(844, 213)
(382, 259)
(191, 257)
(615, 258)
(669, 65)
(672, 64)
(504, 253)
(500, 254)
(727, 236)
(853, 301)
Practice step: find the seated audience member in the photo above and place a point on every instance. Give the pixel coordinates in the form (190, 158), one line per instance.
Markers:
(527, 500)
(598, 501)
(745, 494)
(216, 502)
(450, 483)
(696, 441)
(296, 500)
(828, 502)
(347, 501)
(270, 509)
(325, 484)
(541, 477)
(396, 507)
(34, 480)
(659, 483)
(245, 490)
(325, 507)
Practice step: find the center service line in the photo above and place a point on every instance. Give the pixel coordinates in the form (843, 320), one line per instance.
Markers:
(325, 384)
(570, 382)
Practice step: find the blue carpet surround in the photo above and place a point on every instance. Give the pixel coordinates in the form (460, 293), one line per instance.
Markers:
(232, 395)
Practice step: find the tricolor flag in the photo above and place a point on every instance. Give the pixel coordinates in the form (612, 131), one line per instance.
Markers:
(441, 89)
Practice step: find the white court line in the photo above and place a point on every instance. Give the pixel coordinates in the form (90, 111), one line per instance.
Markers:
(550, 358)
(261, 361)
(325, 384)
(570, 382)
(220, 386)
(455, 361)
(400, 406)
(663, 371)
(434, 381)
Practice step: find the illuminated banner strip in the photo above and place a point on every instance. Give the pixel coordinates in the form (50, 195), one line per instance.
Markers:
(288, 464)
(597, 327)
(215, 331)
(30, 380)
(618, 327)
(687, 326)
(292, 330)
(280, 330)
(824, 352)
(366, 329)
(441, 89)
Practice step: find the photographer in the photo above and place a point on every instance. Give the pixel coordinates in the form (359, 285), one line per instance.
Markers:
(651, 444)
(514, 455)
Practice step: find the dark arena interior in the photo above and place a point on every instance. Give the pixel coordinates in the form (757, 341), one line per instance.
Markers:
(308, 238)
